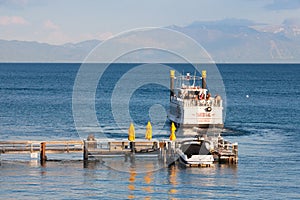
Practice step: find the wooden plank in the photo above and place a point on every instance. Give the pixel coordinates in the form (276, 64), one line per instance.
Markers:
(108, 152)
(58, 151)
(39, 142)
(65, 142)
(18, 147)
(20, 152)
(19, 142)
(118, 146)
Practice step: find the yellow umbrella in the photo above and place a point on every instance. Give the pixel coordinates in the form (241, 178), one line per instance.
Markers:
(148, 135)
(173, 129)
(131, 133)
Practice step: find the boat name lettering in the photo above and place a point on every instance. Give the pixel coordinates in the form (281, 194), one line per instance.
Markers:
(204, 115)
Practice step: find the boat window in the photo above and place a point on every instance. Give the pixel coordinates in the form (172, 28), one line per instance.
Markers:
(194, 149)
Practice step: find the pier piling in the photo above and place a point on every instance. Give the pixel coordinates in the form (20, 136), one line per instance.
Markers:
(43, 156)
(85, 151)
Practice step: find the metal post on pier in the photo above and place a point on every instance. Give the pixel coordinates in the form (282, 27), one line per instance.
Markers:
(43, 156)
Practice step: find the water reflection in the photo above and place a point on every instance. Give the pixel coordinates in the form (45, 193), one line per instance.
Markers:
(140, 179)
(173, 179)
(146, 185)
(131, 186)
(148, 178)
(141, 164)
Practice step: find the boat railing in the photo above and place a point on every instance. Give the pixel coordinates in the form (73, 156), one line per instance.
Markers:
(212, 102)
(177, 100)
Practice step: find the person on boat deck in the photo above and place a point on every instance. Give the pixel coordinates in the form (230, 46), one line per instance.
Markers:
(201, 96)
(218, 100)
(208, 96)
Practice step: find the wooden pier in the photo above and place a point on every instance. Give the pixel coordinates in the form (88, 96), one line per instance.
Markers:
(165, 150)
(41, 147)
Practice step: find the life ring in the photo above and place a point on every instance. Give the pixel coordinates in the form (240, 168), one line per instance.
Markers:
(208, 109)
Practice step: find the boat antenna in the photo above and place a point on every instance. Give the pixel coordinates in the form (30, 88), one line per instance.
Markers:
(194, 79)
(182, 78)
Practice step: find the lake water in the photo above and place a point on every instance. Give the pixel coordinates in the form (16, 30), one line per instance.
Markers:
(262, 115)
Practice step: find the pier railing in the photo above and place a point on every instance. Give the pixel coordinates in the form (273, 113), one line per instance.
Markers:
(212, 102)
(16, 147)
(95, 148)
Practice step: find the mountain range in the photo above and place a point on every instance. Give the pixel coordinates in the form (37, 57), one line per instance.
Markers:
(227, 41)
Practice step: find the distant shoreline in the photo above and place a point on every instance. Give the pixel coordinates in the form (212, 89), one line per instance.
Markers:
(167, 63)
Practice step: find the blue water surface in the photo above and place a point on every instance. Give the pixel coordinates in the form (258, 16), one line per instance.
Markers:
(262, 115)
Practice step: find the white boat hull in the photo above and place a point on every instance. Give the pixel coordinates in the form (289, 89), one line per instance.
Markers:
(192, 104)
(190, 116)
(195, 159)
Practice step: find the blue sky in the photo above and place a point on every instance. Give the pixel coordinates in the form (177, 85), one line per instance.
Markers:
(62, 21)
